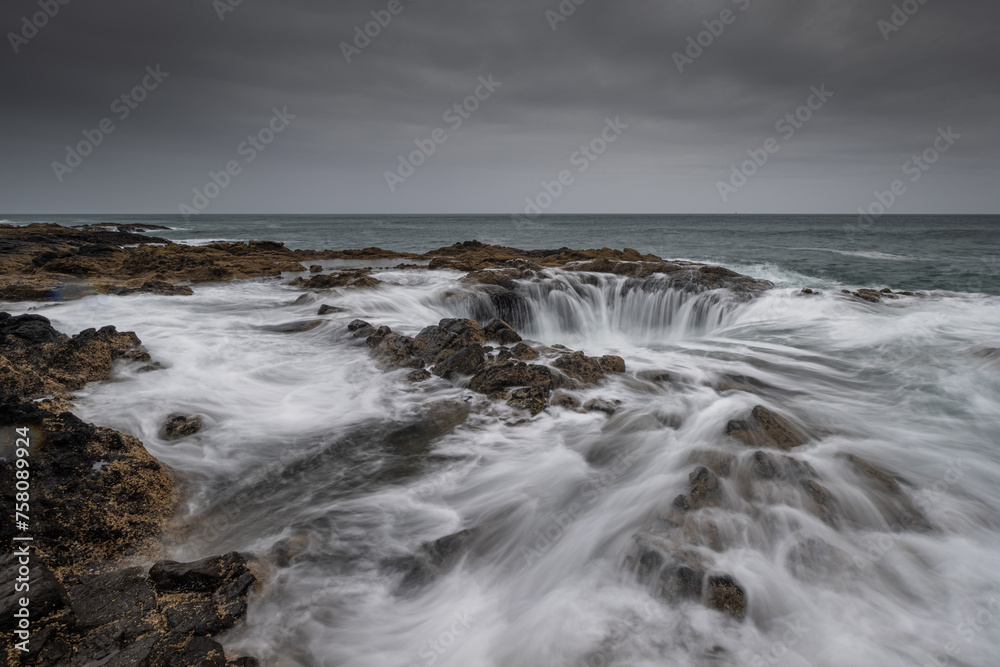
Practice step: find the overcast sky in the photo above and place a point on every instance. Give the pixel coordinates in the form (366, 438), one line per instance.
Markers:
(228, 70)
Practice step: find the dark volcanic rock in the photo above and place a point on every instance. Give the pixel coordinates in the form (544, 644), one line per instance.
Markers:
(439, 419)
(180, 426)
(40, 360)
(360, 329)
(765, 428)
(706, 491)
(82, 476)
(601, 405)
(532, 399)
(466, 362)
(294, 327)
(393, 350)
(359, 278)
(579, 366)
(501, 332)
(612, 364)
(497, 379)
(327, 310)
(727, 596)
(524, 352)
(159, 287)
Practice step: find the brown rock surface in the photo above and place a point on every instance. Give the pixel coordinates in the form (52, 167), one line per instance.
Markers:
(765, 428)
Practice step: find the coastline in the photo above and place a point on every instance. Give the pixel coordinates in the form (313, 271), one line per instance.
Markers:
(489, 357)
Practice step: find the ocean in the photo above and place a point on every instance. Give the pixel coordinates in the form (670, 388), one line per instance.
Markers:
(291, 463)
(957, 253)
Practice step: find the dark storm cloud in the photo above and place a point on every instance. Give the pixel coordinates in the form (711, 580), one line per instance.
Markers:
(353, 120)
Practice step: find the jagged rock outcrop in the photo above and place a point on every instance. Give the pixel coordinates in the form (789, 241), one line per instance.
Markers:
(125, 617)
(359, 278)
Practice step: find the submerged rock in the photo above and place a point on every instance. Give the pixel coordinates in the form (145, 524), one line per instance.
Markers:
(706, 491)
(765, 428)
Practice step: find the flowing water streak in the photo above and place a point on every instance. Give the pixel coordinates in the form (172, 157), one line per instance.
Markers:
(294, 420)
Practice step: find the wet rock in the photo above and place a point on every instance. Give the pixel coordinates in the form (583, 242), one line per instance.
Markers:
(765, 466)
(329, 310)
(466, 362)
(205, 597)
(532, 399)
(659, 377)
(524, 352)
(612, 364)
(359, 278)
(392, 350)
(294, 327)
(468, 331)
(435, 343)
(360, 329)
(727, 596)
(672, 574)
(564, 400)
(579, 366)
(420, 375)
(180, 426)
(35, 352)
(718, 462)
(821, 497)
(158, 287)
(46, 593)
(439, 419)
(600, 405)
(896, 506)
(501, 332)
(123, 595)
(100, 495)
(437, 557)
(315, 268)
(706, 491)
(765, 428)
(733, 382)
(496, 380)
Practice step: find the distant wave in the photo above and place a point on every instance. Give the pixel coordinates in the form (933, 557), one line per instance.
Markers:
(868, 254)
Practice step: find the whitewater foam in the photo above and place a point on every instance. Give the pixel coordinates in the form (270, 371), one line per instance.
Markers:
(902, 384)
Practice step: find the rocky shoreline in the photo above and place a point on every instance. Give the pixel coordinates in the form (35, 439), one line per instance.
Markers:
(102, 502)
(99, 503)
